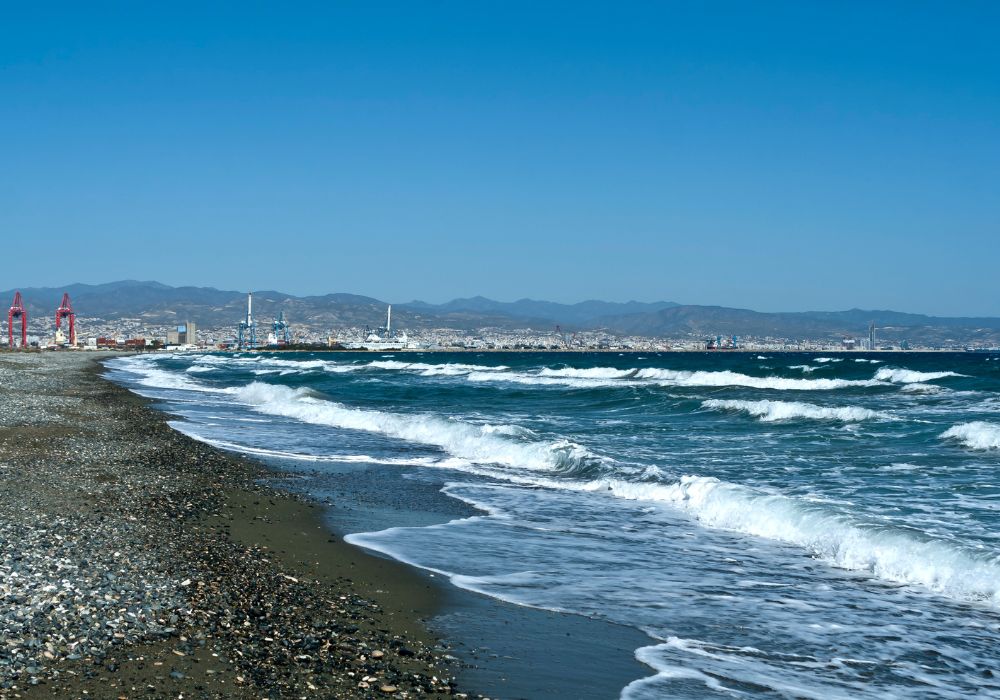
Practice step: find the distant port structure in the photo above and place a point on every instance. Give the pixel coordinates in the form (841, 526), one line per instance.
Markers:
(281, 334)
(65, 311)
(381, 338)
(246, 332)
(17, 315)
(17, 312)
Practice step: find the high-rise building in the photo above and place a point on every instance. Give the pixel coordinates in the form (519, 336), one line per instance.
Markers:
(185, 334)
(189, 333)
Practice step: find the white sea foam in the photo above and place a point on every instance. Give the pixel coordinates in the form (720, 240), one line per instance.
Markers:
(612, 376)
(588, 373)
(843, 540)
(909, 376)
(823, 360)
(429, 370)
(977, 435)
(888, 553)
(646, 688)
(900, 467)
(539, 380)
(804, 368)
(730, 668)
(481, 444)
(147, 375)
(302, 457)
(769, 411)
(919, 388)
(666, 377)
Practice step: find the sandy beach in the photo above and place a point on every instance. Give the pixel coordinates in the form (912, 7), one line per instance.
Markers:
(136, 562)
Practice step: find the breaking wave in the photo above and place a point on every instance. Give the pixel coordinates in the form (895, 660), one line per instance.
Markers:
(146, 374)
(884, 551)
(611, 376)
(589, 373)
(769, 411)
(668, 377)
(909, 376)
(919, 388)
(429, 370)
(481, 444)
(977, 435)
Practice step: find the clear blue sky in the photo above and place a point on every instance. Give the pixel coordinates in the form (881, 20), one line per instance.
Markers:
(776, 156)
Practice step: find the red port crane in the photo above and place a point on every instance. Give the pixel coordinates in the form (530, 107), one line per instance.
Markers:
(65, 310)
(18, 311)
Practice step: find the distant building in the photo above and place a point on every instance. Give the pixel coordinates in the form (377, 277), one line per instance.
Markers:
(186, 334)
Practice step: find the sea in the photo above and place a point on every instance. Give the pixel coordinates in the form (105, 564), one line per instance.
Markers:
(793, 525)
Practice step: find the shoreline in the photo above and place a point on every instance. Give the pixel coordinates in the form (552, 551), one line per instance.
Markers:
(499, 648)
(179, 572)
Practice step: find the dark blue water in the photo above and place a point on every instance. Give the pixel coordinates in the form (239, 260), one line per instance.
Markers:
(780, 525)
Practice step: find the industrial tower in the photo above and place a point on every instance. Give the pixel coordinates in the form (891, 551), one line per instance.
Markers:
(17, 310)
(247, 337)
(65, 310)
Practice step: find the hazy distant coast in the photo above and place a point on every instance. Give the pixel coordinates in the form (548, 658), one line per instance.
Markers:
(149, 309)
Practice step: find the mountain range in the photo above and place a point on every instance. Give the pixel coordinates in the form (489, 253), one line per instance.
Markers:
(158, 304)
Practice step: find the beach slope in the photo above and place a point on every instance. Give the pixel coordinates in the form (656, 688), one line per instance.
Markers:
(136, 562)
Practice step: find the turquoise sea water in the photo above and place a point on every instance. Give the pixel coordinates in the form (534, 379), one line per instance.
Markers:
(780, 525)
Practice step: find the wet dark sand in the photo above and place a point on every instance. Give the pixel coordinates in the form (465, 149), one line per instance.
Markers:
(507, 651)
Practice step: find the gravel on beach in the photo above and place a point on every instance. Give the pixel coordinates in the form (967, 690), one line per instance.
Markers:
(136, 562)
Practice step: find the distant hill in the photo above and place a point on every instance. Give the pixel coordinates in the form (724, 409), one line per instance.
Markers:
(160, 304)
(580, 314)
(891, 325)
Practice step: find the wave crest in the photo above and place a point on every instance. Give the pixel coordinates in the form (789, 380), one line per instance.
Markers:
(481, 444)
(909, 376)
(770, 411)
(977, 435)
(886, 552)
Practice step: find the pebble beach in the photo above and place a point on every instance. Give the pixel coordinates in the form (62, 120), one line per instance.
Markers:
(138, 563)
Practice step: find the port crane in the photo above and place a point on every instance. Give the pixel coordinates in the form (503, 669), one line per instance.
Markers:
(247, 334)
(17, 311)
(65, 310)
(279, 329)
